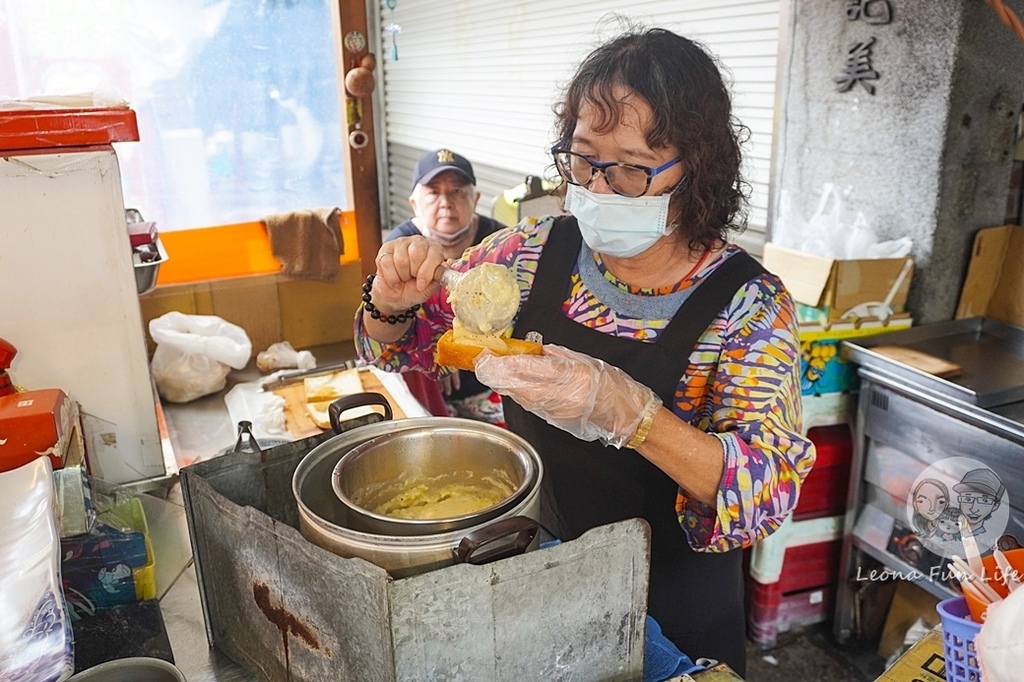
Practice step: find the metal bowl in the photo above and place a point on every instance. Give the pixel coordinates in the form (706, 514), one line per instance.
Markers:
(138, 669)
(433, 460)
(147, 266)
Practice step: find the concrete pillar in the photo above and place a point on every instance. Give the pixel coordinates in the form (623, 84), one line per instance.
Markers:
(928, 155)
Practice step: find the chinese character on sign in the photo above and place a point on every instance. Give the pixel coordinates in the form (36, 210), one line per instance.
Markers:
(858, 67)
(871, 11)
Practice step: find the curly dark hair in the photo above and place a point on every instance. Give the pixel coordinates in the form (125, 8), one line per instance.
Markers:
(692, 110)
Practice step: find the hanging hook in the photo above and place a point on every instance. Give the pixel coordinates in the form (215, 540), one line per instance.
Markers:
(392, 29)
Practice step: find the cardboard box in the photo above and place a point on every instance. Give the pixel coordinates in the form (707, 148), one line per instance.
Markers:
(114, 563)
(41, 423)
(909, 604)
(823, 369)
(836, 287)
(270, 308)
(994, 286)
(923, 662)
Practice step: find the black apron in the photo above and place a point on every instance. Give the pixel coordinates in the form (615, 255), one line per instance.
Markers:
(696, 597)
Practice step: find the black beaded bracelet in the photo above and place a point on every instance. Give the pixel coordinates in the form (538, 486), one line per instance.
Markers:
(376, 314)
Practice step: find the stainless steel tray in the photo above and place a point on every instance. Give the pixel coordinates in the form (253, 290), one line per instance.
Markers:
(991, 354)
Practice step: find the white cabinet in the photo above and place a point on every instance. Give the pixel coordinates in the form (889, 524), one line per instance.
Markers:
(68, 301)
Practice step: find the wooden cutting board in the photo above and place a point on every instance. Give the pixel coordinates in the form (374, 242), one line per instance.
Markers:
(297, 419)
(920, 360)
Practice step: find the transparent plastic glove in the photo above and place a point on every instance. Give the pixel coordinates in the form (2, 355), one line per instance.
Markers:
(585, 396)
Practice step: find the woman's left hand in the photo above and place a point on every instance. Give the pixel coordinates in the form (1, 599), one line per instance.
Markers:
(577, 393)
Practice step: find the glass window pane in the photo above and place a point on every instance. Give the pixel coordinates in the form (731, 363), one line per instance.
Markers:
(237, 100)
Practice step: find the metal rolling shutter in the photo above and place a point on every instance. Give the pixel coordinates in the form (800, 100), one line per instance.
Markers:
(481, 77)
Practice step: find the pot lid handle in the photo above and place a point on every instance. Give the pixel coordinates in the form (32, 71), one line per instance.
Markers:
(345, 403)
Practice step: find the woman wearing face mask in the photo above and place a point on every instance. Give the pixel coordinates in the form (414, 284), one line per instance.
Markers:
(669, 386)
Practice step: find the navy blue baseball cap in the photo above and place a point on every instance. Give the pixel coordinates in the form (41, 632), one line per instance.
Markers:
(438, 161)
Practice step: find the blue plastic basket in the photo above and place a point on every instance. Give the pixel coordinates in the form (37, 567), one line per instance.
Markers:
(958, 633)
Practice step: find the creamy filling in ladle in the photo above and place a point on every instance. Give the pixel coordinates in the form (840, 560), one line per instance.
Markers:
(484, 298)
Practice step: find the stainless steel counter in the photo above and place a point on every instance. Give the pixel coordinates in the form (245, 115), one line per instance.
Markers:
(989, 353)
(202, 428)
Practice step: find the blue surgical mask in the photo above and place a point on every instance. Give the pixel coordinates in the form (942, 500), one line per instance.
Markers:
(616, 225)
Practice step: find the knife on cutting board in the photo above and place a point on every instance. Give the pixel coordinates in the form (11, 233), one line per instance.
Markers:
(289, 378)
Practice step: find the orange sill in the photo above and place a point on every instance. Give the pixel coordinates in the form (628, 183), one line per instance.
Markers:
(236, 250)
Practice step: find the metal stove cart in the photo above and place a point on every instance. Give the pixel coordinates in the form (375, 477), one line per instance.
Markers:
(909, 420)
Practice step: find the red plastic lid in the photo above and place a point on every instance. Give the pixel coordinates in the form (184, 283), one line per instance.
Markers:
(48, 128)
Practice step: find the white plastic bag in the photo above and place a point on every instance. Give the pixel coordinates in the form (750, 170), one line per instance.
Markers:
(830, 232)
(281, 355)
(825, 228)
(194, 354)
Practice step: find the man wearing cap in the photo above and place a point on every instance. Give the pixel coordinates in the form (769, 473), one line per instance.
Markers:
(443, 201)
(979, 494)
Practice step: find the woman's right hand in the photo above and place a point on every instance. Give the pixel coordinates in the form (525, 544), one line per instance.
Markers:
(405, 273)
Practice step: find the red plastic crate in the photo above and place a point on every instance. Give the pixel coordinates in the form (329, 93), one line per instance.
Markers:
(824, 491)
(806, 566)
(802, 595)
(769, 612)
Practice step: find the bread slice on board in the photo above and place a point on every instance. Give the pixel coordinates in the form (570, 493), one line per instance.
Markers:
(332, 386)
(322, 390)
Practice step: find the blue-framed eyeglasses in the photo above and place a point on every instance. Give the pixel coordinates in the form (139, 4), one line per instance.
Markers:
(625, 179)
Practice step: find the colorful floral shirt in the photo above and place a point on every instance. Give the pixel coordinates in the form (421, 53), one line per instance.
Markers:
(742, 384)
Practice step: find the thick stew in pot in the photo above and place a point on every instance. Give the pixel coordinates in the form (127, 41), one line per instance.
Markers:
(438, 497)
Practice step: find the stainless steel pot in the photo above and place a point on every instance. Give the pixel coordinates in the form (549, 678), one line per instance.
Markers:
(325, 521)
(415, 470)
